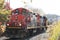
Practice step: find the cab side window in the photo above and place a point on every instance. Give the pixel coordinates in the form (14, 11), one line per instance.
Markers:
(24, 12)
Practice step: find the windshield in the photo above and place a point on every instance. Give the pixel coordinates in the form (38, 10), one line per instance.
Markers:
(16, 11)
(24, 12)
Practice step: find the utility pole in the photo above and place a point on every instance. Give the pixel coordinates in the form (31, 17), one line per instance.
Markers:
(26, 2)
(7, 5)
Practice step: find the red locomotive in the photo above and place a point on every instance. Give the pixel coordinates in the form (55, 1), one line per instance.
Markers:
(19, 20)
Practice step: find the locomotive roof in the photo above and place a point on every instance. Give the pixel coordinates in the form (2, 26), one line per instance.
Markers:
(20, 9)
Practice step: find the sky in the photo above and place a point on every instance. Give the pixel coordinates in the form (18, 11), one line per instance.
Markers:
(48, 6)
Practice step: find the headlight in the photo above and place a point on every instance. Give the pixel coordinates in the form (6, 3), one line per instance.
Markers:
(7, 24)
(19, 24)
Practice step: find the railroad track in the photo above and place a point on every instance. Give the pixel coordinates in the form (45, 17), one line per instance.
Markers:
(26, 38)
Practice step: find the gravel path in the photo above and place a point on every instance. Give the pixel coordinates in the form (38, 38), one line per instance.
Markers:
(43, 36)
(3, 38)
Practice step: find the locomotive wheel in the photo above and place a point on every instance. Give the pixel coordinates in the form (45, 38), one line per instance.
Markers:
(32, 32)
